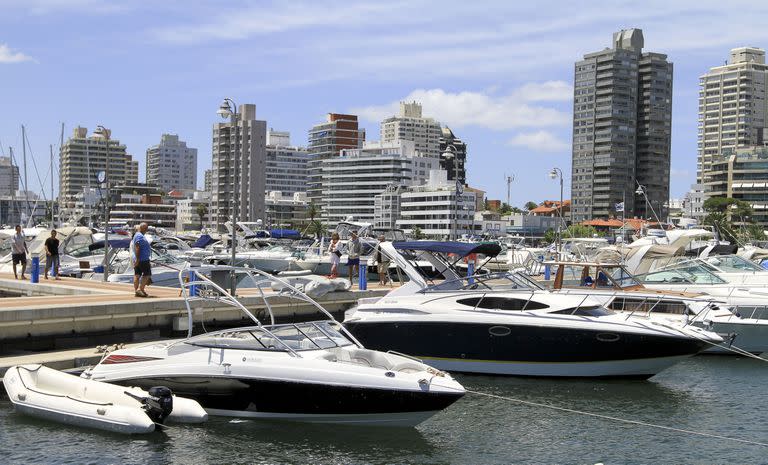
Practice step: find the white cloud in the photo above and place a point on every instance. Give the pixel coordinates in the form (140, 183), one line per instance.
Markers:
(9, 56)
(482, 109)
(539, 141)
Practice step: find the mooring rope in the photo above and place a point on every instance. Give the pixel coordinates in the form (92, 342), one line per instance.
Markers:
(621, 420)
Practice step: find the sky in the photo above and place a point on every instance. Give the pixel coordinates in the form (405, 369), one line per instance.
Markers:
(499, 74)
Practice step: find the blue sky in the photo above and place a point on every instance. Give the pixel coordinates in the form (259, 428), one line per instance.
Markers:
(500, 74)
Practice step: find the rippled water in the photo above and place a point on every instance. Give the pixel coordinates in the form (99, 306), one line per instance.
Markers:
(722, 395)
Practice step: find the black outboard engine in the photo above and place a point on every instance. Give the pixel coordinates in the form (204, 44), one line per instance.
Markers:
(159, 404)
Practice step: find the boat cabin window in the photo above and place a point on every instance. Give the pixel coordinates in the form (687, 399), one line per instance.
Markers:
(502, 303)
(690, 273)
(639, 305)
(589, 310)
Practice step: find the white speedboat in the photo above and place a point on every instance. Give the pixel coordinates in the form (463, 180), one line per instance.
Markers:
(486, 324)
(313, 371)
(46, 393)
(272, 259)
(619, 291)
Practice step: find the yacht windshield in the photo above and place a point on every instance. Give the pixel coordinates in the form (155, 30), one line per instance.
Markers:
(301, 336)
(733, 264)
(489, 281)
(683, 273)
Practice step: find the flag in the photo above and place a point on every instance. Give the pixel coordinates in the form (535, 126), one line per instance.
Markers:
(620, 207)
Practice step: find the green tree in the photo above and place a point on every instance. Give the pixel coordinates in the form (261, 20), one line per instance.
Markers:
(530, 205)
(753, 232)
(315, 228)
(579, 230)
(549, 236)
(726, 214)
(505, 209)
(202, 211)
(417, 234)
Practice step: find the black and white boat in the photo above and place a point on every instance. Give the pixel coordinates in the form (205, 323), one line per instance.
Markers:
(313, 371)
(497, 324)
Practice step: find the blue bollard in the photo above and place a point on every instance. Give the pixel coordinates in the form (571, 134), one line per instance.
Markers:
(191, 278)
(362, 283)
(470, 272)
(35, 274)
(547, 272)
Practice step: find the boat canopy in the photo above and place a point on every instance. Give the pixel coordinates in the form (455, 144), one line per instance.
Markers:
(113, 244)
(459, 248)
(202, 241)
(285, 234)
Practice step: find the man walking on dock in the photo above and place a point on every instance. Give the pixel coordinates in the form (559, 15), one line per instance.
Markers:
(19, 252)
(52, 255)
(142, 268)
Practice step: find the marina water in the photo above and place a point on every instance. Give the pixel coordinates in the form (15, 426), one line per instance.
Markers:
(713, 394)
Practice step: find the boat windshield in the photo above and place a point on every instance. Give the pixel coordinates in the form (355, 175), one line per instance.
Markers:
(733, 264)
(607, 276)
(683, 273)
(507, 281)
(298, 337)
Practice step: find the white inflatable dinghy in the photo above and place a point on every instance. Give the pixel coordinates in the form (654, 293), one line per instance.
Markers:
(46, 393)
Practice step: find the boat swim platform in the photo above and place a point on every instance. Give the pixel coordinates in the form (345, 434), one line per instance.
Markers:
(73, 309)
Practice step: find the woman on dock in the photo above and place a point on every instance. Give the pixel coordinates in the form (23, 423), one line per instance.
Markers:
(333, 249)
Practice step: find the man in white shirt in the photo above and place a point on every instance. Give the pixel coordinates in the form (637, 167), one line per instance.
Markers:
(19, 252)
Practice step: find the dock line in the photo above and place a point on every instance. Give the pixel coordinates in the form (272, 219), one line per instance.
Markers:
(617, 419)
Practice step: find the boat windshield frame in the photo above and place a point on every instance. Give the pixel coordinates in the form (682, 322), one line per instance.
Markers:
(724, 264)
(518, 282)
(195, 287)
(305, 336)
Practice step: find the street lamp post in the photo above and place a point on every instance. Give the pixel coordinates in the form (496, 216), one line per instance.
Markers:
(228, 109)
(641, 191)
(553, 174)
(105, 133)
(450, 154)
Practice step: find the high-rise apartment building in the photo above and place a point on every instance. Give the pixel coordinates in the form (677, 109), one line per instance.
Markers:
(409, 124)
(247, 141)
(622, 115)
(286, 165)
(9, 176)
(733, 108)
(455, 165)
(82, 157)
(327, 140)
(207, 180)
(171, 164)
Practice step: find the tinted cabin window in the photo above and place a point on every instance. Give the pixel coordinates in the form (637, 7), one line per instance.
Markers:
(645, 305)
(503, 303)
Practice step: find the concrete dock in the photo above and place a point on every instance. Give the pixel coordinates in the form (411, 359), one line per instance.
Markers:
(60, 323)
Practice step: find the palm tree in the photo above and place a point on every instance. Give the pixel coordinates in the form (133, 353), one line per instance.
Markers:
(202, 211)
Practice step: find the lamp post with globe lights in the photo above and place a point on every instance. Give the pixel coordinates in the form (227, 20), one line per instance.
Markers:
(554, 173)
(104, 178)
(228, 109)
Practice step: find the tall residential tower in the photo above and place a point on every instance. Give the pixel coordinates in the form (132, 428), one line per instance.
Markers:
(250, 136)
(171, 164)
(622, 115)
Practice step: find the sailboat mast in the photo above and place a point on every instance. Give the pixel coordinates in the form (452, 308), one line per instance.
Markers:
(53, 225)
(61, 147)
(24, 152)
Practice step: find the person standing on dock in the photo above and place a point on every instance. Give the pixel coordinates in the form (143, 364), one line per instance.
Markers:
(382, 261)
(353, 256)
(142, 267)
(19, 252)
(333, 250)
(52, 261)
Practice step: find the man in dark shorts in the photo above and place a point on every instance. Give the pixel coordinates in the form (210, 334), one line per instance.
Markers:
(142, 267)
(52, 255)
(19, 252)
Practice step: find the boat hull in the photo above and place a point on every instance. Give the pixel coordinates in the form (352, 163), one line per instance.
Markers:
(301, 401)
(527, 350)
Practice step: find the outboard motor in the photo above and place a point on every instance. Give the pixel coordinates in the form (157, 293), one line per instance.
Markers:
(158, 405)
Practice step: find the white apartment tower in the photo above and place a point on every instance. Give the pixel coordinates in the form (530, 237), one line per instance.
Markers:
(83, 156)
(9, 176)
(250, 137)
(287, 166)
(171, 164)
(733, 107)
(410, 125)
